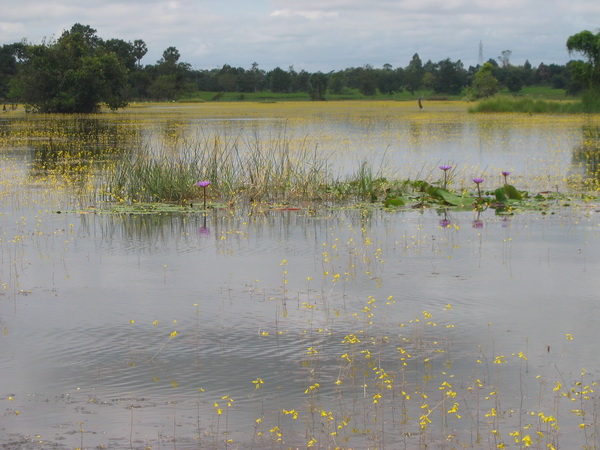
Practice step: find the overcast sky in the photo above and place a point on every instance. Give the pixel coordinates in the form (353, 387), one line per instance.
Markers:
(316, 35)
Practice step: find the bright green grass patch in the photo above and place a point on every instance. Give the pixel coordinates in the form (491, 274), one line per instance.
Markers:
(527, 105)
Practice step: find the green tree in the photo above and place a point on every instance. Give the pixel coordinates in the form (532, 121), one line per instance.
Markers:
(9, 58)
(413, 74)
(175, 75)
(390, 81)
(279, 80)
(513, 79)
(75, 74)
(318, 86)
(484, 83)
(337, 83)
(450, 77)
(366, 80)
(586, 72)
(139, 51)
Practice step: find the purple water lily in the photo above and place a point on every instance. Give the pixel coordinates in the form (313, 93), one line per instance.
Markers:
(445, 169)
(203, 184)
(505, 175)
(478, 181)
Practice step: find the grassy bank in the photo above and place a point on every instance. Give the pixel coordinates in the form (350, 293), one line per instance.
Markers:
(589, 103)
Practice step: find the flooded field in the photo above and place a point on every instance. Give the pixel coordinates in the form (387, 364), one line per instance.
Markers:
(307, 324)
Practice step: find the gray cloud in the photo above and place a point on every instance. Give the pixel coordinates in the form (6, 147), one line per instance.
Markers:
(317, 34)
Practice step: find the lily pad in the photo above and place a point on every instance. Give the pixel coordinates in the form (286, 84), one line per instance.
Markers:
(449, 198)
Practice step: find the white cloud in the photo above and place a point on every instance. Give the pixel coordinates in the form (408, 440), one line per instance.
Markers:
(317, 34)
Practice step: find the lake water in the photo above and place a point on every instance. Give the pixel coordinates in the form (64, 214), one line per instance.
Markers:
(262, 327)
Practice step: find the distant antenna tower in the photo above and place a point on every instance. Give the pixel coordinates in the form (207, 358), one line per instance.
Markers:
(480, 53)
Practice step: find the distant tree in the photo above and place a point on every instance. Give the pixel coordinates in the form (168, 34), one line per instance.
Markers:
(451, 77)
(299, 81)
(527, 73)
(413, 74)
(228, 77)
(253, 80)
(124, 50)
(318, 86)
(366, 80)
(513, 79)
(75, 74)
(337, 82)
(279, 80)
(504, 58)
(10, 54)
(170, 56)
(484, 83)
(390, 81)
(164, 87)
(139, 51)
(588, 44)
(174, 71)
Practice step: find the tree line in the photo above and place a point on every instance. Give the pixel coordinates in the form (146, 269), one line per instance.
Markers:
(79, 72)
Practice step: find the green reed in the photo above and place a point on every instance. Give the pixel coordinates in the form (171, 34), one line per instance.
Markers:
(249, 169)
(529, 105)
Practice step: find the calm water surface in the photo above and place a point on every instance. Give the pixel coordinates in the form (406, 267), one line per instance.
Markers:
(127, 331)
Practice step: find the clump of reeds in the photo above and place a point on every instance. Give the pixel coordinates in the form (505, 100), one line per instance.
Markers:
(252, 169)
(526, 105)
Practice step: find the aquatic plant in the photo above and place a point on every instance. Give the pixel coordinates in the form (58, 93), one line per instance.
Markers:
(445, 169)
(203, 185)
(477, 182)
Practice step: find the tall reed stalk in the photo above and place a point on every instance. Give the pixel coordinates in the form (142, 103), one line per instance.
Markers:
(251, 168)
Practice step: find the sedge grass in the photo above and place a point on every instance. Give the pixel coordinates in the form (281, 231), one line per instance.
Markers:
(504, 104)
(249, 168)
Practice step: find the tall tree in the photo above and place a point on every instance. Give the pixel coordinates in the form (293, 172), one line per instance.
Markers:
(588, 44)
(484, 83)
(9, 57)
(75, 74)
(318, 86)
(139, 50)
(413, 74)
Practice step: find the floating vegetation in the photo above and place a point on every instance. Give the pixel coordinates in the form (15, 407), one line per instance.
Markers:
(234, 288)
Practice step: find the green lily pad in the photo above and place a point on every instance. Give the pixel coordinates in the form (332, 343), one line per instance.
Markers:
(449, 198)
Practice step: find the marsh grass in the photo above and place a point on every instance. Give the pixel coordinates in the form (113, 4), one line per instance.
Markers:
(504, 104)
(250, 169)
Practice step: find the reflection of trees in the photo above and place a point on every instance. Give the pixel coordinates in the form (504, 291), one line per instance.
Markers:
(74, 147)
(586, 156)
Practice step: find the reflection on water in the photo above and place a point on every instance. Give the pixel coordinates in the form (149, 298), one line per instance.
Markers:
(587, 156)
(92, 301)
(176, 330)
(537, 149)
